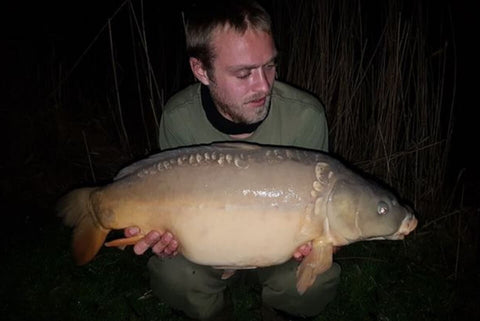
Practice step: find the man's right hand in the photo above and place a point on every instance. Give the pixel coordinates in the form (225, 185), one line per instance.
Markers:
(161, 244)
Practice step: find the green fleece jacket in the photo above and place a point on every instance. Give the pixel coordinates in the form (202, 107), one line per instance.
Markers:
(296, 118)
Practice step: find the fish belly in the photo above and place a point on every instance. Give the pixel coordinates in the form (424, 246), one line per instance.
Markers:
(239, 237)
(223, 215)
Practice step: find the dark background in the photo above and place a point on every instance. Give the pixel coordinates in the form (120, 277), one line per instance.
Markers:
(40, 36)
(41, 43)
(466, 133)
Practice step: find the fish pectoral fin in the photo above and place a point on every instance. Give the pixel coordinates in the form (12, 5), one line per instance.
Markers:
(318, 261)
(122, 243)
(227, 274)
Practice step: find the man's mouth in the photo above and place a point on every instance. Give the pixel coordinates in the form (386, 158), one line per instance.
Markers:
(257, 102)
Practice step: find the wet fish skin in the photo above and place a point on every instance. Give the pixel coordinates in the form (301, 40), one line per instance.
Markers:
(239, 205)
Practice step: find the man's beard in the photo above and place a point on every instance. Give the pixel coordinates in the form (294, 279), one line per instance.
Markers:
(238, 113)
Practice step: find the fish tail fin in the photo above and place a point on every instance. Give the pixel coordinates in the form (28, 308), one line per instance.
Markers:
(88, 235)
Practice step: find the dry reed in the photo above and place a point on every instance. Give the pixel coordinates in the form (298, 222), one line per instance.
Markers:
(377, 71)
(382, 87)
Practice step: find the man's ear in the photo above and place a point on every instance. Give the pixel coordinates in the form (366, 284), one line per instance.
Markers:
(199, 71)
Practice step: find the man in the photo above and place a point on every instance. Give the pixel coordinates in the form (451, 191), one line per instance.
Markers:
(232, 54)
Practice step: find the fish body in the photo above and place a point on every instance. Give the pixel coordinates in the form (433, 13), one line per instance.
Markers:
(239, 205)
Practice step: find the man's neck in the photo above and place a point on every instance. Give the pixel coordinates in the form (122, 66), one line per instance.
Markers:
(222, 124)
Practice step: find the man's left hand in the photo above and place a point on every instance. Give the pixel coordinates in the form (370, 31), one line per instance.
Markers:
(302, 251)
(305, 249)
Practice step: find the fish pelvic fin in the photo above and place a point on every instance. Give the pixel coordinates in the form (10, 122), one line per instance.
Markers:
(75, 209)
(318, 261)
(123, 242)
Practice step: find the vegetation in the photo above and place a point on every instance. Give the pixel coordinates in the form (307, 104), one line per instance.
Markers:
(387, 80)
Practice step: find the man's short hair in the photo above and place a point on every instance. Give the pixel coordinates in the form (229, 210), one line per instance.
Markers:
(205, 17)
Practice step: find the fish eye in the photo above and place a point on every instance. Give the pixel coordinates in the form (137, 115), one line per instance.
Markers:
(382, 208)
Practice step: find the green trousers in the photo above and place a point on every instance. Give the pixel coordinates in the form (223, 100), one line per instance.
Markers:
(198, 290)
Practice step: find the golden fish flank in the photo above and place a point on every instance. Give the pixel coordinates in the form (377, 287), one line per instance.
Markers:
(238, 205)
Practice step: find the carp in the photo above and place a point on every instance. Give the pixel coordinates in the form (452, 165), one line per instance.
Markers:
(238, 206)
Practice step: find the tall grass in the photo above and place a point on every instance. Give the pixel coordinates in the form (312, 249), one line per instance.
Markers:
(383, 86)
(384, 75)
(378, 67)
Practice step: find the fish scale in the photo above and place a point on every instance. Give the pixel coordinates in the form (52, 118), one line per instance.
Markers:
(238, 206)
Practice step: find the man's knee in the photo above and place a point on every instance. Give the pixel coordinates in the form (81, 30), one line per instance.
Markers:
(194, 289)
(173, 274)
(279, 291)
(323, 290)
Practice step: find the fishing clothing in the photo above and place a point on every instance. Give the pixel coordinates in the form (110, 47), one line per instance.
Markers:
(295, 118)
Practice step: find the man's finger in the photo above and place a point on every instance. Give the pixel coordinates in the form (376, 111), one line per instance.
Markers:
(152, 237)
(305, 249)
(297, 256)
(140, 247)
(172, 247)
(162, 243)
(145, 243)
(166, 238)
(131, 231)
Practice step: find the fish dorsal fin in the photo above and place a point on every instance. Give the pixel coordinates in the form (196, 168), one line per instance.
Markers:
(181, 151)
(318, 261)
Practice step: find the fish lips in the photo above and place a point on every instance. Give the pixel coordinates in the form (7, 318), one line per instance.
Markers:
(409, 224)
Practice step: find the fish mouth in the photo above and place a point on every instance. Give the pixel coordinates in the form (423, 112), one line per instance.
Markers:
(409, 223)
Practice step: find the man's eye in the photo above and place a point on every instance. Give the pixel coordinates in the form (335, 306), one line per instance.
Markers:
(271, 66)
(243, 75)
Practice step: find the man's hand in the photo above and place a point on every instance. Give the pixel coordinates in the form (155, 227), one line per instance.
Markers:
(305, 249)
(161, 244)
(302, 251)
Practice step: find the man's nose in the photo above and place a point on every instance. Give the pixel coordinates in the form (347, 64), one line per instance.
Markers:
(262, 80)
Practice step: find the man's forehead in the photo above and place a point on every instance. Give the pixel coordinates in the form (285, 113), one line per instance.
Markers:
(242, 50)
(227, 30)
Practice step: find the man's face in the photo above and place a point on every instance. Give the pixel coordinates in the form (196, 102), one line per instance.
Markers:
(243, 74)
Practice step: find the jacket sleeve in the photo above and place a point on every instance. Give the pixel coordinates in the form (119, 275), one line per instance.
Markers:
(313, 133)
(169, 134)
